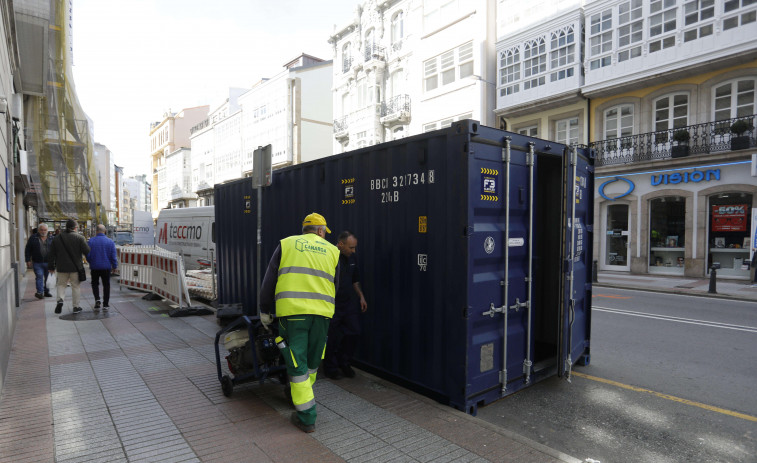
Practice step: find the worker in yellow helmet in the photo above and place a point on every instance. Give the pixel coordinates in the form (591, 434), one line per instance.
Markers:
(301, 282)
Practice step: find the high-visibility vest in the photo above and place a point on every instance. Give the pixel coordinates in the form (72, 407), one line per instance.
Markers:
(306, 276)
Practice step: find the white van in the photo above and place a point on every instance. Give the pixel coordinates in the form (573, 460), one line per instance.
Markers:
(189, 230)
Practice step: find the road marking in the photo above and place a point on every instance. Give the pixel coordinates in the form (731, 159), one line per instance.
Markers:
(612, 296)
(667, 396)
(670, 318)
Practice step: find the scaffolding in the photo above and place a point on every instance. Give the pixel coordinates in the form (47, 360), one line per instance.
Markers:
(59, 143)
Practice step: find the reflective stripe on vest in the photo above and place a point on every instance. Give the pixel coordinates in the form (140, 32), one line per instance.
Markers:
(306, 276)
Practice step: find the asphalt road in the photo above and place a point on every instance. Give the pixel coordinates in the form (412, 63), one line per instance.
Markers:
(672, 378)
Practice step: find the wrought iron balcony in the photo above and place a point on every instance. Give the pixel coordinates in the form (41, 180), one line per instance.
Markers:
(341, 125)
(397, 108)
(374, 52)
(346, 65)
(705, 138)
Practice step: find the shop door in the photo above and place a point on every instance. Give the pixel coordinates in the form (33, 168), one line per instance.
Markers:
(616, 237)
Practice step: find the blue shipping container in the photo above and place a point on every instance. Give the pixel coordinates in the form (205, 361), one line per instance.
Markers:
(474, 246)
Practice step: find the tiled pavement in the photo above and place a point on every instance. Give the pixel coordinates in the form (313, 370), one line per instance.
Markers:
(139, 386)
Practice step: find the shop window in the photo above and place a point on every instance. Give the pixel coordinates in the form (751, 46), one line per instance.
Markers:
(728, 238)
(667, 233)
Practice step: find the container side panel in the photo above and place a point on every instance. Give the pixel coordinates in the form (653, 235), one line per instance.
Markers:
(236, 235)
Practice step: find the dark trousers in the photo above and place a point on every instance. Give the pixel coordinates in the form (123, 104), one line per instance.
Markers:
(344, 332)
(105, 276)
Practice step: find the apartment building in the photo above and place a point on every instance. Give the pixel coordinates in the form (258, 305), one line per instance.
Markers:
(291, 111)
(167, 136)
(664, 92)
(404, 67)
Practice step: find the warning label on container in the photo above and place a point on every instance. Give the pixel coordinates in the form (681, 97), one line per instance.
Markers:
(348, 190)
(422, 224)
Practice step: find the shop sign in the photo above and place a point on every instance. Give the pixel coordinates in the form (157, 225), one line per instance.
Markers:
(695, 176)
(729, 218)
(628, 191)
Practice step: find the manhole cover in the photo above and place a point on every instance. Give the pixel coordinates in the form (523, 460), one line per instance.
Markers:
(87, 315)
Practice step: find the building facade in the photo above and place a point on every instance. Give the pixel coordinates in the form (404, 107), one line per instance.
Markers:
(402, 67)
(177, 183)
(166, 137)
(291, 111)
(104, 171)
(664, 92)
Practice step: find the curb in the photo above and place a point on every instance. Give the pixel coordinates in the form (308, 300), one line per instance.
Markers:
(681, 292)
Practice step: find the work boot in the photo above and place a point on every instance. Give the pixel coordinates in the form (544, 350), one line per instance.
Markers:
(302, 426)
(58, 306)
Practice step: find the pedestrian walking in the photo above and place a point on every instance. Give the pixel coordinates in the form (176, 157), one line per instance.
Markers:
(102, 260)
(301, 282)
(344, 329)
(36, 251)
(65, 257)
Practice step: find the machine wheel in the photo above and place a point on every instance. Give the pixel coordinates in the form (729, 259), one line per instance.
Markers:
(227, 386)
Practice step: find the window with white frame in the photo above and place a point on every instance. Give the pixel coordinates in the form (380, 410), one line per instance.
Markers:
(662, 24)
(437, 13)
(743, 14)
(562, 53)
(362, 92)
(509, 71)
(398, 24)
(346, 57)
(699, 14)
(531, 131)
(448, 67)
(618, 121)
(734, 99)
(600, 39)
(630, 30)
(534, 63)
(671, 112)
(446, 122)
(566, 131)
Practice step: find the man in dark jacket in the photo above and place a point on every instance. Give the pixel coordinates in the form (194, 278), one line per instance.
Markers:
(65, 256)
(102, 259)
(36, 251)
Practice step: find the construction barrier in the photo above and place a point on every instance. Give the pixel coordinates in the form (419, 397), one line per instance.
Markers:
(153, 269)
(135, 265)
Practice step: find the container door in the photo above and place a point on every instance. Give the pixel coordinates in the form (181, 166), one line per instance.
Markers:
(576, 304)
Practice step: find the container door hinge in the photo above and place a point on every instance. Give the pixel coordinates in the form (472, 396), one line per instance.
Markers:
(503, 381)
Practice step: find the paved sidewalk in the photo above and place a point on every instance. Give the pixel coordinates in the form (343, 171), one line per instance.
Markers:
(725, 288)
(139, 386)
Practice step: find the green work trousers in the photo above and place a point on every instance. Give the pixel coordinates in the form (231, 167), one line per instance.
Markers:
(305, 336)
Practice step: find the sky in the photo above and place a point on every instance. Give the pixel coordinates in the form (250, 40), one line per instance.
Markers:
(133, 61)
